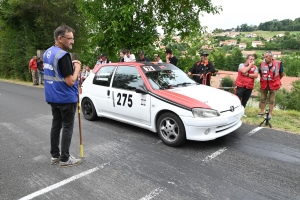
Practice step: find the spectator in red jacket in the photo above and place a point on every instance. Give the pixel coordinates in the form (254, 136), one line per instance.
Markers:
(33, 69)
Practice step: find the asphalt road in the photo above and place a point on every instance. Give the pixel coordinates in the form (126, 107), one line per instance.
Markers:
(125, 162)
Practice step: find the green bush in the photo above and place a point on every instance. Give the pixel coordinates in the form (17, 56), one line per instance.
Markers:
(227, 81)
(294, 102)
(282, 99)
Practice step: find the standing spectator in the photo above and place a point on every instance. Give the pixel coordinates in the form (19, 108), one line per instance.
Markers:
(142, 57)
(122, 54)
(202, 68)
(83, 72)
(40, 66)
(128, 56)
(271, 71)
(247, 72)
(170, 58)
(87, 73)
(33, 69)
(104, 59)
(61, 90)
(157, 58)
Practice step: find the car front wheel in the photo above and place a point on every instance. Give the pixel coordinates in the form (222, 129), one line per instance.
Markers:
(171, 129)
(88, 109)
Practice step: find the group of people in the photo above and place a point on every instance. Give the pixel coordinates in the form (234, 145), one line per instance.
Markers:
(36, 68)
(270, 70)
(127, 56)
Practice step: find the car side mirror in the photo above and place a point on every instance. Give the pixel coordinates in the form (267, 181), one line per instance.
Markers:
(141, 90)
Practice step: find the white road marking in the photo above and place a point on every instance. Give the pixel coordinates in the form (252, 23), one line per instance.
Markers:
(64, 182)
(254, 131)
(212, 156)
(153, 194)
(171, 182)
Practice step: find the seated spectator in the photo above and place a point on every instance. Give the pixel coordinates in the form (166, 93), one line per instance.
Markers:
(128, 56)
(157, 58)
(122, 54)
(142, 57)
(170, 58)
(98, 60)
(104, 59)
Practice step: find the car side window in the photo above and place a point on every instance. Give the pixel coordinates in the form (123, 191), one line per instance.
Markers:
(127, 78)
(103, 76)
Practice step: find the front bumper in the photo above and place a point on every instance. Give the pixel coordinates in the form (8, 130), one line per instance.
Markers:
(204, 129)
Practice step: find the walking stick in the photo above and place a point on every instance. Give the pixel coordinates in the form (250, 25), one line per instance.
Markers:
(79, 120)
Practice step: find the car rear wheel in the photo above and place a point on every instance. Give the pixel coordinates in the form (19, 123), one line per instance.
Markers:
(171, 129)
(88, 109)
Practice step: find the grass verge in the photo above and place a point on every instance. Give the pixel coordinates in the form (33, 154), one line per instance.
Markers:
(19, 82)
(285, 120)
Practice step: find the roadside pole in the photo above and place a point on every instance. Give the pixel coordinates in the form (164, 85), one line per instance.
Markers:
(79, 120)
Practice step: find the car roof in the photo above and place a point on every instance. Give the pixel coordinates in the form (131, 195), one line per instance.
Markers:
(137, 64)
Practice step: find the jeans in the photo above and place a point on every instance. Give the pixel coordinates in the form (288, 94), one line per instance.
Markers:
(34, 77)
(63, 118)
(41, 76)
(244, 94)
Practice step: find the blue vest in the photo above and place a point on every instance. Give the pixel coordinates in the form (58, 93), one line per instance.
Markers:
(56, 89)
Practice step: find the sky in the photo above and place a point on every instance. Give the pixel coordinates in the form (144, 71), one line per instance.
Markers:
(251, 12)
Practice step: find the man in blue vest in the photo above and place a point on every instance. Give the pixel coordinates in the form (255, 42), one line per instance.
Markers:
(61, 91)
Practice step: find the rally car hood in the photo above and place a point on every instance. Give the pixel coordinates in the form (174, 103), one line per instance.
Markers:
(202, 96)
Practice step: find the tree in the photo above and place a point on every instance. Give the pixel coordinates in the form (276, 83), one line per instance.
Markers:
(291, 65)
(27, 26)
(116, 25)
(218, 58)
(237, 58)
(229, 64)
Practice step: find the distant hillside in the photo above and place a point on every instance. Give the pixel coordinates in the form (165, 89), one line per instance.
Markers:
(274, 25)
(269, 34)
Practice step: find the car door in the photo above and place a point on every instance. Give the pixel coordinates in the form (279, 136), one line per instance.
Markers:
(126, 103)
(101, 89)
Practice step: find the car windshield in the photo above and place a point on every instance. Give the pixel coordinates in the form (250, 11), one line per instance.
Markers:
(166, 76)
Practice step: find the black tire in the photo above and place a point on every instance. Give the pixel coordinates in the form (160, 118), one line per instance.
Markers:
(171, 129)
(88, 109)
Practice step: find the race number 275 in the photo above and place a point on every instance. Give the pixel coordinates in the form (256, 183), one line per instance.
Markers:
(124, 97)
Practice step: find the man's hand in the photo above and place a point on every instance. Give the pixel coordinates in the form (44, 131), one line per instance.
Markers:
(77, 65)
(189, 73)
(251, 63)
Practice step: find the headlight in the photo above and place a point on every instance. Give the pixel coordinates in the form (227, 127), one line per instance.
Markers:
(205, 113)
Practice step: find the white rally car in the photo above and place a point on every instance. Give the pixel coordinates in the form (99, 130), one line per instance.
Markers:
(161, 98)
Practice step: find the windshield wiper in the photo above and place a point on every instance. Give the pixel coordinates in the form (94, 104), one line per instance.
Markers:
(184, 83)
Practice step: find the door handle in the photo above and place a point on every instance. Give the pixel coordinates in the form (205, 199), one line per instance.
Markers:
(108, 93)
